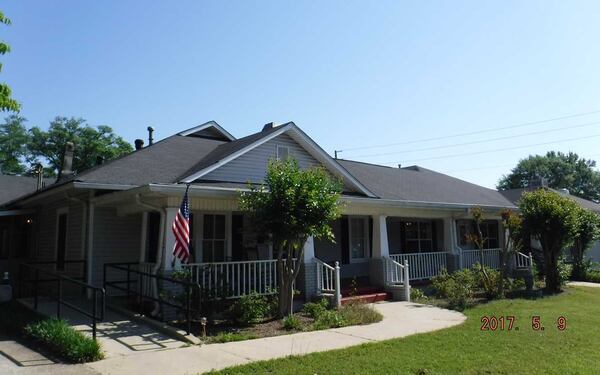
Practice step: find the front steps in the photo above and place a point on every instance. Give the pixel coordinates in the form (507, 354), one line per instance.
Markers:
(366, 294)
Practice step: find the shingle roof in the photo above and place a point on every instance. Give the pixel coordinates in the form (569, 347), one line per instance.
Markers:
(13, 187)
(163, 162)
(417, 184)
(515, 194)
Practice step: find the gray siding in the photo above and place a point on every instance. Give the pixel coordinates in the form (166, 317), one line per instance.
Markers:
(252, 166)
(47, 226)
(116, 239)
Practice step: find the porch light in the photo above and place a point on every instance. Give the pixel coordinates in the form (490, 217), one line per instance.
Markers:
(29, 220)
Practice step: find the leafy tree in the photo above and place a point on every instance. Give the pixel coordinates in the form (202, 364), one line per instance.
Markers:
(90, 143)
(13, 145)
(554, 221)
(512, 224)
(291, 206)
(479, 240)
(7, 103)
(588, 231)
(561, 170)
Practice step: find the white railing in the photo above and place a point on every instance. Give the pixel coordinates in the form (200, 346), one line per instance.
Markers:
(491, 258)
(423, 265)
(235, 279)
(328, 280)
(396, 273)
(523, 260)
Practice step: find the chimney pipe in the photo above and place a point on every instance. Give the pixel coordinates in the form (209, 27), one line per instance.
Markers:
(150, 139)
(39, 171)
(67, 165)
(139, 144)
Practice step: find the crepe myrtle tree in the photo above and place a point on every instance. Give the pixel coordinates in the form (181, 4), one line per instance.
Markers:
(553, 220)
(512, 224)
(480, 241)
(588, 231)
(290, 206)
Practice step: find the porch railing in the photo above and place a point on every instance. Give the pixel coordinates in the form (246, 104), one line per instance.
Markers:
(523, 260)
(328, 280)
(235, 279)
(423, 265)
(396, 273)
(491, 258)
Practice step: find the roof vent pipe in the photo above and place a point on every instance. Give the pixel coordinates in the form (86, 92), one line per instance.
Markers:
(139, 144)
(150, 132)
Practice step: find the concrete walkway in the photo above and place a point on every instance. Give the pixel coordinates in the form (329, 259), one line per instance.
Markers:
(117, 334)
(584, 283)
(400, 319)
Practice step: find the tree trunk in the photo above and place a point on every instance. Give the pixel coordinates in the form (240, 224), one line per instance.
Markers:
(552, 274)
(287, 273)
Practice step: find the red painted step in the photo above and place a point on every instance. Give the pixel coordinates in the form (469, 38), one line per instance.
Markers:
(368, 298)
(346, 292)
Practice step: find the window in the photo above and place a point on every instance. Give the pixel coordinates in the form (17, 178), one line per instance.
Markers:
(358, 232)
(489, 231)
(61, 239)
(213, 238)
(418, 236)
(4, 245)
(283, 152)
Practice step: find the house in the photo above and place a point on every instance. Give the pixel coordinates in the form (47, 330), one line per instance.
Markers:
(514, 195)
(122, 210)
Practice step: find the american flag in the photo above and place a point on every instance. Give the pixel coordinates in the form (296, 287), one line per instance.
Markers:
(181, 229)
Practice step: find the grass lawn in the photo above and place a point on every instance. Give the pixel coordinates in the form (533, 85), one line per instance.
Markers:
(466, 349)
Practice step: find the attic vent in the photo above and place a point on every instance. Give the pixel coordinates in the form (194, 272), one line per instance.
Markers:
(413, 168)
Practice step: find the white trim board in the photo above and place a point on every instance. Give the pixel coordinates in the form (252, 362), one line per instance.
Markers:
(206, 125)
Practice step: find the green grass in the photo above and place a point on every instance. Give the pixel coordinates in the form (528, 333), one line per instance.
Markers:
(231, 336)
(58, 336)
(465, 349)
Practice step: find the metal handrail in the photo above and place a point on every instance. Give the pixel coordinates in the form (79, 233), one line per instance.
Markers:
(189, 286)
(60, 279)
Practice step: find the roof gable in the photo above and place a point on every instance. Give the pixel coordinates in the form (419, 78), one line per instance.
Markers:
(230, 152)
(210, 130)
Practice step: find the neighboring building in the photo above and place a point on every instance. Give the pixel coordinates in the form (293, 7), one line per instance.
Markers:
(122, 211)
(514, 195)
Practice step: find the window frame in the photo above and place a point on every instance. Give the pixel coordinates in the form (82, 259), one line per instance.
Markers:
(367, 247)
(418, 239)
(283, 147)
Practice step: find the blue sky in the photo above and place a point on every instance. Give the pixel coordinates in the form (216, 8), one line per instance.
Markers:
(350, 74)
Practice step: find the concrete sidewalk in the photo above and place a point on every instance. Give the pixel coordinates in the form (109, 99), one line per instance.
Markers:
(584, 283)
(400, 319)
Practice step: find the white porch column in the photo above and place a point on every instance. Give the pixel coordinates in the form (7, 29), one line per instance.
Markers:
(309, 250)
(449, 234)
(380, 237)
(169, 239)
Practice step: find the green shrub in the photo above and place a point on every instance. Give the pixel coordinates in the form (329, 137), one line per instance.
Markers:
(490, 287)
(250, 309)
(62, 339)
(457, 288)
(417, 295)
(314, 309)
(232, 336)
(564, 270)
(593, 276)
(359, 313)
(291, 322)
(330, 319)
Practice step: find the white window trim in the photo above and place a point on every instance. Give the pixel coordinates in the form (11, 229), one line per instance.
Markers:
(199, 233)
(61, 211)
(419, 239)
(283, 147)
(365, 220)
